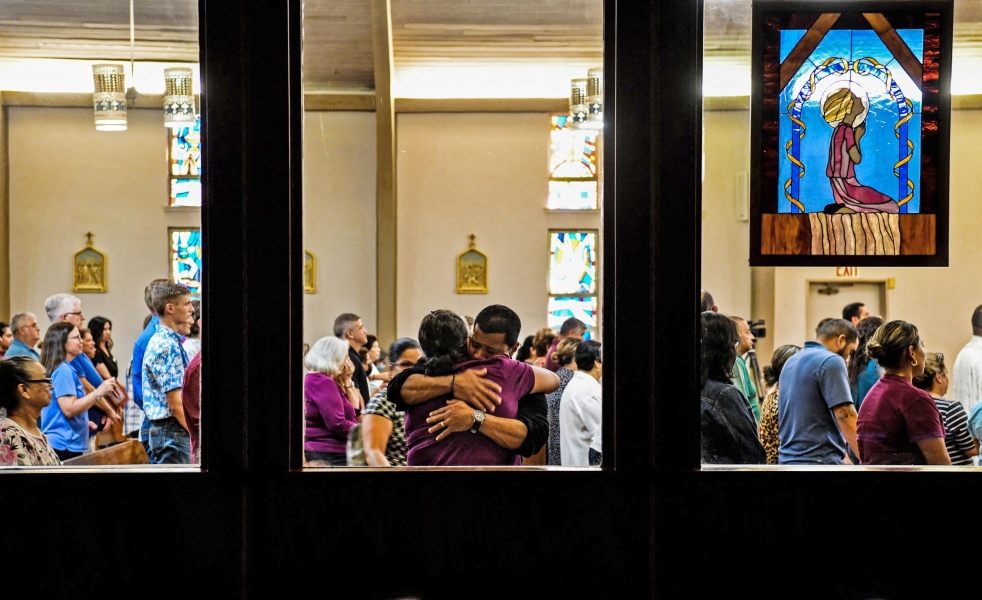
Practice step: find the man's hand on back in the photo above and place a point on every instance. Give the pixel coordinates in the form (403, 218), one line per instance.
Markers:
(476, 390)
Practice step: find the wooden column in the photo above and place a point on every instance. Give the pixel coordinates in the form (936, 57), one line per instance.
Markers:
(386, 229)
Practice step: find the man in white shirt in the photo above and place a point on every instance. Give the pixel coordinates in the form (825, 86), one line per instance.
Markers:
(966, 376)
(580, 410)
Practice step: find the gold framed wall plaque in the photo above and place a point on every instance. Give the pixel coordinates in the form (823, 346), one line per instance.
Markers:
(472, 271)
(89, 269)
(309, 272)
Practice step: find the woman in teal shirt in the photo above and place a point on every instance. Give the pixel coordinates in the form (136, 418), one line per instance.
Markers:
(65, 421)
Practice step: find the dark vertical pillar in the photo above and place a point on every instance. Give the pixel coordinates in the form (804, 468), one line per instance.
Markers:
(252, 107)
(653, 66)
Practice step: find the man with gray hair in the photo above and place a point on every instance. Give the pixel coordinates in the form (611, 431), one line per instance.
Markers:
(66, 308)
(348, 327)
(24, 325)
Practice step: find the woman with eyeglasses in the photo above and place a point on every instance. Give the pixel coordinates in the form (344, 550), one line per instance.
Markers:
(961, 447)
(65, 421)
(383, 427)
(24, 391)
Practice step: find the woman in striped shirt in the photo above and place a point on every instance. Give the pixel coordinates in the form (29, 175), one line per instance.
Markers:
(961, 447)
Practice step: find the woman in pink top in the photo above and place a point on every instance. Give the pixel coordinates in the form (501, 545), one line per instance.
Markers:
(899, 424)
(329, 403)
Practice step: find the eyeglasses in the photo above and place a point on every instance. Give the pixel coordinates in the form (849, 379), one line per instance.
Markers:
(45, 381)
(74, 337)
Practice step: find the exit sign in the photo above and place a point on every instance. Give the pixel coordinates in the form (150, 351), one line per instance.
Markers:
(847, 272)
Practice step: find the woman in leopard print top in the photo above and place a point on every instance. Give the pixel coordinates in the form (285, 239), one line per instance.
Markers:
(767, 429)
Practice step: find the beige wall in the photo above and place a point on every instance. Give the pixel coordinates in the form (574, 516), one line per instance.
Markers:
(484, 174)
(339, 217)
(939, 301)
(725, 272)
(66, 178)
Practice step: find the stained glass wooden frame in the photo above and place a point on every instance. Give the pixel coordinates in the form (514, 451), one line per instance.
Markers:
(814, 201)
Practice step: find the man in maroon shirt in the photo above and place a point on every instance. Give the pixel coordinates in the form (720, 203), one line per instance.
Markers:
(191, 398)
(572, 328)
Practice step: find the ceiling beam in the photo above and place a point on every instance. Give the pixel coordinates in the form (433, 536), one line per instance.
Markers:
(385, 170)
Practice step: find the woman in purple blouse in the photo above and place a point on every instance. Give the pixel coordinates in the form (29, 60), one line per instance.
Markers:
(329, 403)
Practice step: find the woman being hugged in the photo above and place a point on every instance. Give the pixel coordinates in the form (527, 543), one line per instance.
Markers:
(24, 391)
(729, 430)
(961, 447)
(329, 402)
(899, 424)
(65, 421)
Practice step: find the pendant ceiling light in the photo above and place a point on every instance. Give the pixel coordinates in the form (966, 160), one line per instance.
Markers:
(586, 101)
(109, 98)
(178, 98)
(577, 102)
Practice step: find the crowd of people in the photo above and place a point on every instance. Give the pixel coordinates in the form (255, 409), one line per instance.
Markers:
(59, 392)
(864, 392)
(539, 400)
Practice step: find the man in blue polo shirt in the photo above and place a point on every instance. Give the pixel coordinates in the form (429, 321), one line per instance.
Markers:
(136, 364)
(65, 308)
(26, 336)
(816, 416)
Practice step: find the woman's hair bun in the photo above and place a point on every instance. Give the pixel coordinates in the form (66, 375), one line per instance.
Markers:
(875, 350)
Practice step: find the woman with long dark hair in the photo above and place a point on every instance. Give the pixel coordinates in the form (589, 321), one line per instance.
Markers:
(768, 428)
(729, 430)
(899, 424)
(864, 371)
(102, 335)
(65, 421)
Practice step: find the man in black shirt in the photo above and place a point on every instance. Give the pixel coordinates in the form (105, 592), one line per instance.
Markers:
(349, 328)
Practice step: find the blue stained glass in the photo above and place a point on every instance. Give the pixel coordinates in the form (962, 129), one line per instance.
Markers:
(184, 157)
(790, 38)
(877, 78)
(583, 308)
(186, 259)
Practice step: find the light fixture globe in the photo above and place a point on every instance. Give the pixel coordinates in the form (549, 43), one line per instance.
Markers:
(178, 98)
(109, 97)
(578, 109)
(595, 98)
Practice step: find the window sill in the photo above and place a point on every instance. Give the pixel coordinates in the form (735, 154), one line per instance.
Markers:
(183, 209)
(562, 211)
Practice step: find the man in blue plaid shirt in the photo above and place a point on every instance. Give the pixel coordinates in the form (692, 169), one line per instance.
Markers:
(163, 376)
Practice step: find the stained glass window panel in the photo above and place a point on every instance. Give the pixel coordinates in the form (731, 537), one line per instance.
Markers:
(572, 167)
(184, 154)
(572, 262)
(583, 308)
(185, 259)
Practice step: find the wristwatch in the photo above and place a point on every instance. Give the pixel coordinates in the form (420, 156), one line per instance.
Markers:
(478, 420)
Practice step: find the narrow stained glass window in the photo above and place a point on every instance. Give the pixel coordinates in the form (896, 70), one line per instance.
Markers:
(185, 259)
(572, 167)
(573, 278)
(572, 262)
(184, 154)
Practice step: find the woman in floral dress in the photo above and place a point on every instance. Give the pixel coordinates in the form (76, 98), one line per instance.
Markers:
(24, 390)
